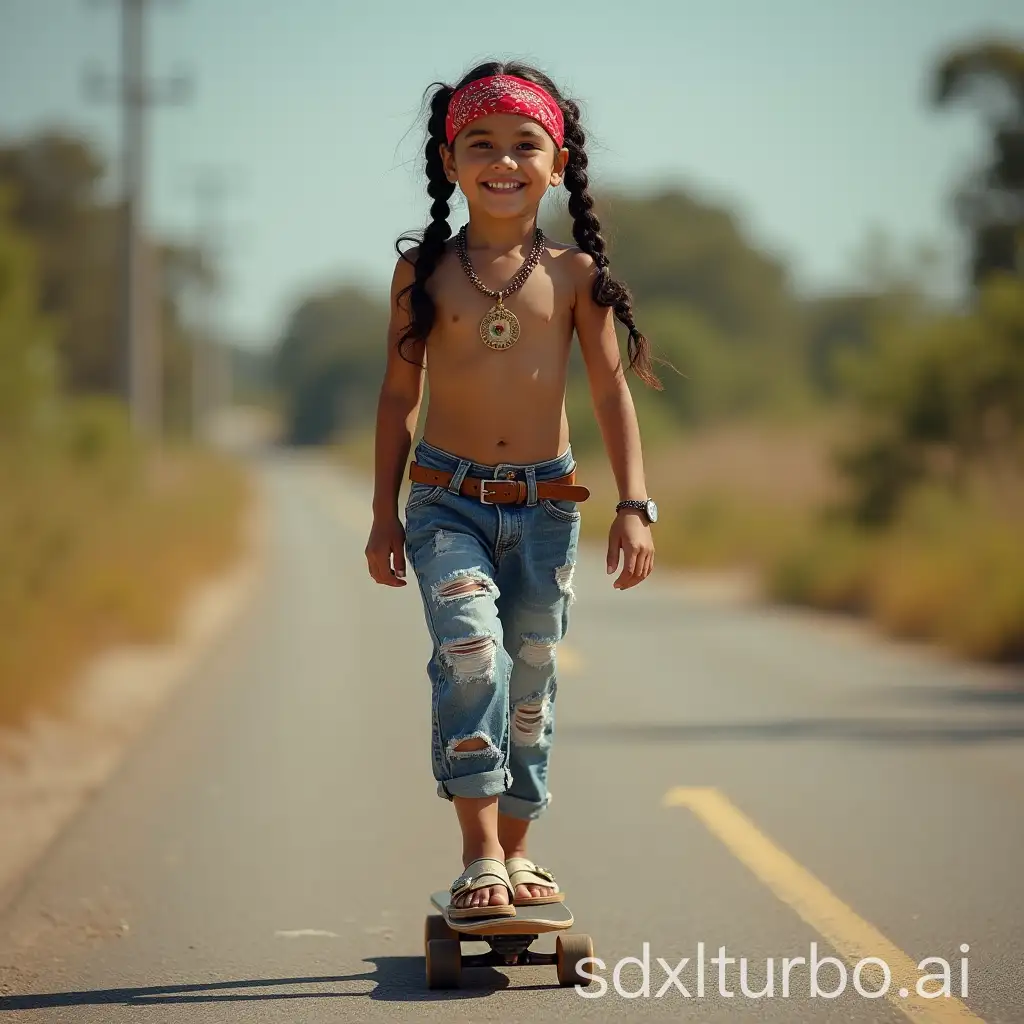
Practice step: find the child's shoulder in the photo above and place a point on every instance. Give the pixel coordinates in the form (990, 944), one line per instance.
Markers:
(571, 258)
(405, 264)
(408, 258)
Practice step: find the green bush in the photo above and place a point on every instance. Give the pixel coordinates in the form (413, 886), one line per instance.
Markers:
(938, 397)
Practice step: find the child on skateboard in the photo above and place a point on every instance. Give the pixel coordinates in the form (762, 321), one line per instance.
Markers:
(492, 518)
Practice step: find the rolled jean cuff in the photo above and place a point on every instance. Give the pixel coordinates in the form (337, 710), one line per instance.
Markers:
(475, 787)
(525, 810)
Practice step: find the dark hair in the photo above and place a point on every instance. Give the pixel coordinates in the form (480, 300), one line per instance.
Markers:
(586, 228)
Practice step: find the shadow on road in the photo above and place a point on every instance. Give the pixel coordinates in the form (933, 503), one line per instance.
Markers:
(397, 979)
(998, 715)
(1002, 696)
(854, 730)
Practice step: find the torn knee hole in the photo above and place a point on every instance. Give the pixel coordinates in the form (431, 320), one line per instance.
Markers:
(467, 746)
(462, 585)
(472, 658)
(476, 645)
(477, 744)
(537, 652)
(528, 721)
(563, 579)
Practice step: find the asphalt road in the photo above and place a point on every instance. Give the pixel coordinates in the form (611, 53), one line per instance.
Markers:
(723, 776)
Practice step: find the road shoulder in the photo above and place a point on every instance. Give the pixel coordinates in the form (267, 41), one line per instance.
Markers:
(50, 768)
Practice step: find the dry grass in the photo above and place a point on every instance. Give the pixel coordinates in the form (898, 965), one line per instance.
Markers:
(730, 498)
(102, 551)
(951, 570)
(751, 497)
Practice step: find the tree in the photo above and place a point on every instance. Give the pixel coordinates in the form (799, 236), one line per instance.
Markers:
(27, 384)
(991, 202)
(55, 178)
(330, 361)
(941, 398)
(672, 246)
(718, 308)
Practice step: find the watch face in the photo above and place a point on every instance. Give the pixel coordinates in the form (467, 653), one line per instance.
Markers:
(652, 511)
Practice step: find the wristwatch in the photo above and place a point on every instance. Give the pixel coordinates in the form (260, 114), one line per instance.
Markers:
(647, 506)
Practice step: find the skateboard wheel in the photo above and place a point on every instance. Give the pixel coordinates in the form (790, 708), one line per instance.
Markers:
(437, 928)
(570, 951)
(444, 963)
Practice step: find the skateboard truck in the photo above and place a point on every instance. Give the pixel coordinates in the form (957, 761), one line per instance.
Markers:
(509, 939)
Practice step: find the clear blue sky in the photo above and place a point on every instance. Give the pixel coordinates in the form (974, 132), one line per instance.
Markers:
(809, 117)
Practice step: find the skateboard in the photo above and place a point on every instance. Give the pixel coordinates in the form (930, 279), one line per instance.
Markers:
(510, 939)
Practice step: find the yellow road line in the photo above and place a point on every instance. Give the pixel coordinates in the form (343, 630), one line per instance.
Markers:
(851, 936)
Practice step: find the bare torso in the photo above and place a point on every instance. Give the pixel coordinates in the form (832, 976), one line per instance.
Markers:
(509, 405)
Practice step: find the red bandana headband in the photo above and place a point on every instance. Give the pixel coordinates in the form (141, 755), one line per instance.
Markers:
(504, 94)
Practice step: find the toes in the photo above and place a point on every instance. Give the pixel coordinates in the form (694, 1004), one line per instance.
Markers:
(524, 891)
(494, 896)
(527, 891)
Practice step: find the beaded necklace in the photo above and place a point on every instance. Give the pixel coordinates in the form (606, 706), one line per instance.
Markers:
(499, 329)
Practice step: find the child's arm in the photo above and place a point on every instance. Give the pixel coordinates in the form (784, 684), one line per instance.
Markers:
(398, 409)
(616, 416)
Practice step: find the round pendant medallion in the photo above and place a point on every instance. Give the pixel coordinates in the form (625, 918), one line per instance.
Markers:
(499, 328)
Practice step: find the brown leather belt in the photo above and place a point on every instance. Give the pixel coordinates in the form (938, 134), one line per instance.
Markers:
(502, 492)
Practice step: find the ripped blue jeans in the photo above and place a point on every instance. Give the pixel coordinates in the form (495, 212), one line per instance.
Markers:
(496, 583)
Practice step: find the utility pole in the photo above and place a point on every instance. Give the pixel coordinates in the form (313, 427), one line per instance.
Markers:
(210, 188)
(141, 365)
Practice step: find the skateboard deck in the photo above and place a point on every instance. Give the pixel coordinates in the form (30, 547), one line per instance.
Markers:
(547, 917)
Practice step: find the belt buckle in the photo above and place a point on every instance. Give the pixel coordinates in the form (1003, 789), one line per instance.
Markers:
(483, 487)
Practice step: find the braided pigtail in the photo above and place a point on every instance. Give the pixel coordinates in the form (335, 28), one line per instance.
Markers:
(438, 231)
(586, 229)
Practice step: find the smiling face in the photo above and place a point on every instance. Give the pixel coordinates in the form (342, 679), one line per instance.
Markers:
(504, 163)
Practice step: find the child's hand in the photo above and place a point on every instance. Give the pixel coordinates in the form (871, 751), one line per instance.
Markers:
(633, 537)
(387, 541)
